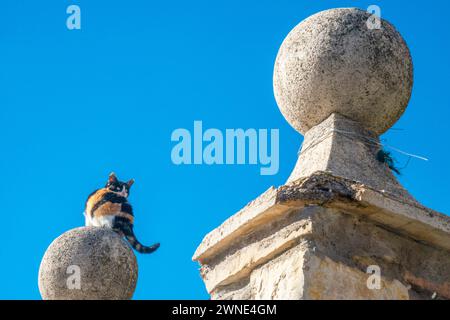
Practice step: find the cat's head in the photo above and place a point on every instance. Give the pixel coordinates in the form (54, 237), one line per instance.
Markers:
(119, 187)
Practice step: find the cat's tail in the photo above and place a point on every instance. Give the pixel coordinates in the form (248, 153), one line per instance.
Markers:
(127, 230)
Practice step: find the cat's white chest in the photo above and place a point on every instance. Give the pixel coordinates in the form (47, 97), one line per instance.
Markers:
(103, 221)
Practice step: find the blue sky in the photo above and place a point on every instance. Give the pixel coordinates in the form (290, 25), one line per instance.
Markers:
(76, 105)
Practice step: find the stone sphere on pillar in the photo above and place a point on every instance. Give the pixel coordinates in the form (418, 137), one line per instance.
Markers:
(343, 61)
(88, 263)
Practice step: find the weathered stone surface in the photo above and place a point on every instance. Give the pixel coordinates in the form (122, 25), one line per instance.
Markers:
(345, 149)
(333, 63)
(328, 280)
(315, 238)
(301, 274)
(322, 188)
(107, 266)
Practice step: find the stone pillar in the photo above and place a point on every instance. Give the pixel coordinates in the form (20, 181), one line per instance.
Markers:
(342, 227)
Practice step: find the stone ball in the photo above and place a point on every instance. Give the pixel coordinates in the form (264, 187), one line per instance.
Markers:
(341, 61)
(88, 263)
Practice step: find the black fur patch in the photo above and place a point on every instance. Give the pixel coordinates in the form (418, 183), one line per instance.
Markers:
(126, 207)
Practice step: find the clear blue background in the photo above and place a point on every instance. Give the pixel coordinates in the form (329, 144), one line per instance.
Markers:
(75, 105)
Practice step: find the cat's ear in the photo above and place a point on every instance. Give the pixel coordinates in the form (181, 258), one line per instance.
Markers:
(112, 178)
(130, 183)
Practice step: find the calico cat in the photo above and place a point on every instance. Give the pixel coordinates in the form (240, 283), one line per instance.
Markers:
(109, 207)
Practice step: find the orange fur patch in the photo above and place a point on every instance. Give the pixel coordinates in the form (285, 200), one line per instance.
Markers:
(108, 208)
(96, 197)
